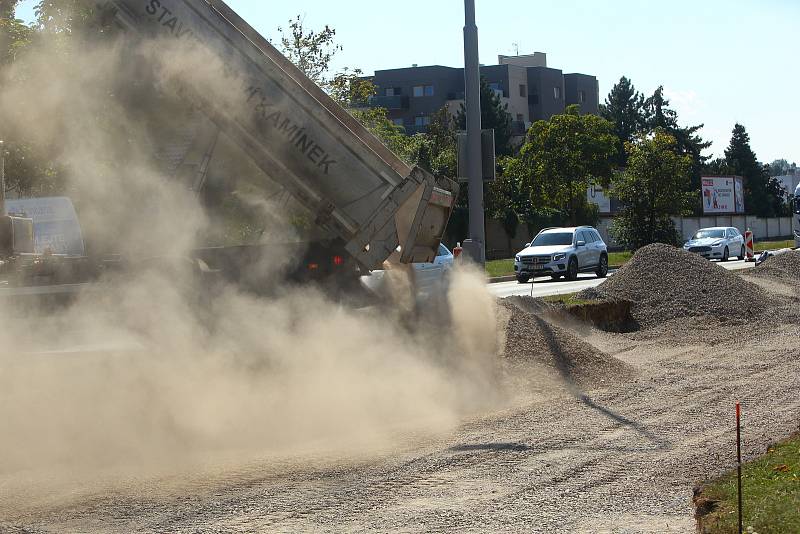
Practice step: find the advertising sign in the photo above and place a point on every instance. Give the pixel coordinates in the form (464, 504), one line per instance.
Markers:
(596, 195)
(55, 224)
(722, 194)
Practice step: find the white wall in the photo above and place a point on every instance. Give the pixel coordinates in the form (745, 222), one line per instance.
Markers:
(763, 229)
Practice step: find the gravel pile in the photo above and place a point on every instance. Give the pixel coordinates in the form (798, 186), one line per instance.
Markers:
(784, 267)
(666, 283)
(531, 339)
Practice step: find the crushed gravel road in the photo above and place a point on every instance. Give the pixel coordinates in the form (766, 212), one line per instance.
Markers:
(618, 452)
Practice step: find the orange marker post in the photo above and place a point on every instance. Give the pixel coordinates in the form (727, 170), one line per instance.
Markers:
(739, 463)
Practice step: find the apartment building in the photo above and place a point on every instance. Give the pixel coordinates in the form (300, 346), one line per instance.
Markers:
(531, 89)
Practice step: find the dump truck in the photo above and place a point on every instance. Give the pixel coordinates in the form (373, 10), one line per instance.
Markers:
(367, 204)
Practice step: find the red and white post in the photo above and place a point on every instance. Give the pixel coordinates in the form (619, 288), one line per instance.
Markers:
(748, 246)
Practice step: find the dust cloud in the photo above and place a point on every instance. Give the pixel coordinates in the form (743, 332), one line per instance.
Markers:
(148, 370)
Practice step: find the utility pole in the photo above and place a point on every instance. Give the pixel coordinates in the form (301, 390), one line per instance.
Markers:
(2, 178)
(475, 246)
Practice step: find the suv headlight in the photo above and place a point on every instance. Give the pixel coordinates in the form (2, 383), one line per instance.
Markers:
(716, 243)
(516, 258)
(559, 256)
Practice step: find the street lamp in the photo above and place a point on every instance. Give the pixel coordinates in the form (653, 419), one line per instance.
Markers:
(475, 246)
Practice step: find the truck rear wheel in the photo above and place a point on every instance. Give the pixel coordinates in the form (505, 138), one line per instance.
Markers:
(523, 279)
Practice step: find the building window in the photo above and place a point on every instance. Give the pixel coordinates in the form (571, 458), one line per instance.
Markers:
(389, 91)
(398, 122)
(422, 121)
(423, 90)
(557, 93)
(520, 118)
(523, 91)
(581, 96)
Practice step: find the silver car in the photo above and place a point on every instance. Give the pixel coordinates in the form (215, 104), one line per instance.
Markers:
(720, 242)
(558, 252)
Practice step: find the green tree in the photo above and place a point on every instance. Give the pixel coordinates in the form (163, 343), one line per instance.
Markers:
(311, 51)
(658, 114)
(561, 158)
(494, 116)
(436, 150)
(781, 167)
(624, 107)
(14, 35)
(652, 190)
(763, 195)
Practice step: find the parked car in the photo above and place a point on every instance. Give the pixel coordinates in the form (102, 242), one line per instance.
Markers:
(558, 252)
(721, 242)
(429, 278)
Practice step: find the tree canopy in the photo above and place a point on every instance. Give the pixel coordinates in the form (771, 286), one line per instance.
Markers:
(561, 157)
(624, 108)
(652, 190)
(763, 195)
(494, 116)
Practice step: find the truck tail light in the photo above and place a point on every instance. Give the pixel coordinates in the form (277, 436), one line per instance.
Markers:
(338, 260)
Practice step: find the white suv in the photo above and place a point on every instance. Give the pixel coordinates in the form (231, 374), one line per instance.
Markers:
(563, 252)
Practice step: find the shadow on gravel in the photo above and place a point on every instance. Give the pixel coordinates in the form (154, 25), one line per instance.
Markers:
(562, 363)
(541, 449)
(492, 447)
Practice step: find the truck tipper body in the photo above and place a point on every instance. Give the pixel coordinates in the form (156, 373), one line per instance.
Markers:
(355, 188)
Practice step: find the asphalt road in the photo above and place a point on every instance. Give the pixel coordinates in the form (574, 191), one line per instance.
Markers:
(543, 287)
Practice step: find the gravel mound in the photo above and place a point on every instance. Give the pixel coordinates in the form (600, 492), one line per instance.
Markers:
(531, 339)
(666, 283)
(784, 267)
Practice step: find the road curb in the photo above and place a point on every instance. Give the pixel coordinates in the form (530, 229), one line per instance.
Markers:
(512, 277)
(498, 279)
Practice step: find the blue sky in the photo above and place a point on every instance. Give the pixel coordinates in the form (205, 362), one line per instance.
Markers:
(720, 61)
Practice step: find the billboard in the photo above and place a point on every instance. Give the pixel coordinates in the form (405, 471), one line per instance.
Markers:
(722, 194)
(55, 224)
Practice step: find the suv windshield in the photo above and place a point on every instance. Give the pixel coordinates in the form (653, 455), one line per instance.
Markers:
(552, 239)
(709, 233)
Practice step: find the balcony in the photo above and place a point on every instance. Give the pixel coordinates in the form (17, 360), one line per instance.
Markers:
(389, 102)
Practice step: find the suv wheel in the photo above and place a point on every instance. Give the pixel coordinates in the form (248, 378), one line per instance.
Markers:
(523, 279)
(743, 254)
(725, 254)
(572, 269)
(602, 269)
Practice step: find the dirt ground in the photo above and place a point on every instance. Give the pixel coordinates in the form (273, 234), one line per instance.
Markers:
(620, 458)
